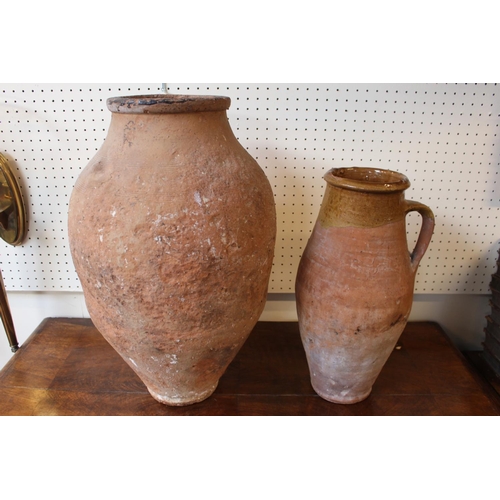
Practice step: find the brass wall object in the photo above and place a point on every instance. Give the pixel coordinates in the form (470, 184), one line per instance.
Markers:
(12, 212)
(13, 230)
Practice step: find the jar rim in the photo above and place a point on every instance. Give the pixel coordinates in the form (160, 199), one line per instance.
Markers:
(167, 103)
(367, 179)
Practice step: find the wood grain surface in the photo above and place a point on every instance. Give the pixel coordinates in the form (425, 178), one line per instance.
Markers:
(67, 368)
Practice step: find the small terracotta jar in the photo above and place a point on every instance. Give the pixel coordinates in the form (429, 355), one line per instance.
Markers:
(172, 229)
(355, 281)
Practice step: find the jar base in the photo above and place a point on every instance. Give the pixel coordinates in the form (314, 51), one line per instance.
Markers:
(342, 400)
(187, 400)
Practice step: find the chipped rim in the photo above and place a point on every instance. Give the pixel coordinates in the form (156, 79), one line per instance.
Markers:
(167, 103)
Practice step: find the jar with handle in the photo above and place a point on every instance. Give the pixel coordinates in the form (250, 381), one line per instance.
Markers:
(355, 282)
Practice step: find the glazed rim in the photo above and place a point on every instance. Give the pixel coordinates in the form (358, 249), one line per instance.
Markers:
(167, 103)
(372, 180)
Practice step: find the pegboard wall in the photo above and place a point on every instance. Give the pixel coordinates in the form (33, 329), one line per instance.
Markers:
(444, 137)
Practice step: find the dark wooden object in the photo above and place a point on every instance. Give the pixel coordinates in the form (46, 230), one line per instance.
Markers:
(67, 368)
(481, 366)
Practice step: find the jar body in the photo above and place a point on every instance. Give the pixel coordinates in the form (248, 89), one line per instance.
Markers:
(172, 230)
(354, 288)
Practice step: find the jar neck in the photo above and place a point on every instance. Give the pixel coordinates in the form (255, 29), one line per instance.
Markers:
(343, 207)
(145, 133)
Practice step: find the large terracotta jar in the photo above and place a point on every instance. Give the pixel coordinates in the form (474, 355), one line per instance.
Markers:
(172, 229)
(355, 281)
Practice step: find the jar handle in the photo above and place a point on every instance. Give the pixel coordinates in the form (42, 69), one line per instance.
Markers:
(424, 238)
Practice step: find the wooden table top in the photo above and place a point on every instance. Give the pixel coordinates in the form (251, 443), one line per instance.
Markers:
(67, 368)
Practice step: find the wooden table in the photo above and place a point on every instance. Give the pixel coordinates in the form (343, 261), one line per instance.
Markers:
(67, 368)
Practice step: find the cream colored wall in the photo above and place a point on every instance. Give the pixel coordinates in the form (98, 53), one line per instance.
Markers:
(443, 137)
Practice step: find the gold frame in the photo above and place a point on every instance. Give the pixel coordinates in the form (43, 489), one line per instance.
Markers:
(13, 225)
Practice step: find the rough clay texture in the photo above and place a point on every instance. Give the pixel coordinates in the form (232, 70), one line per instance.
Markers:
(354, 294)
(172, 230)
